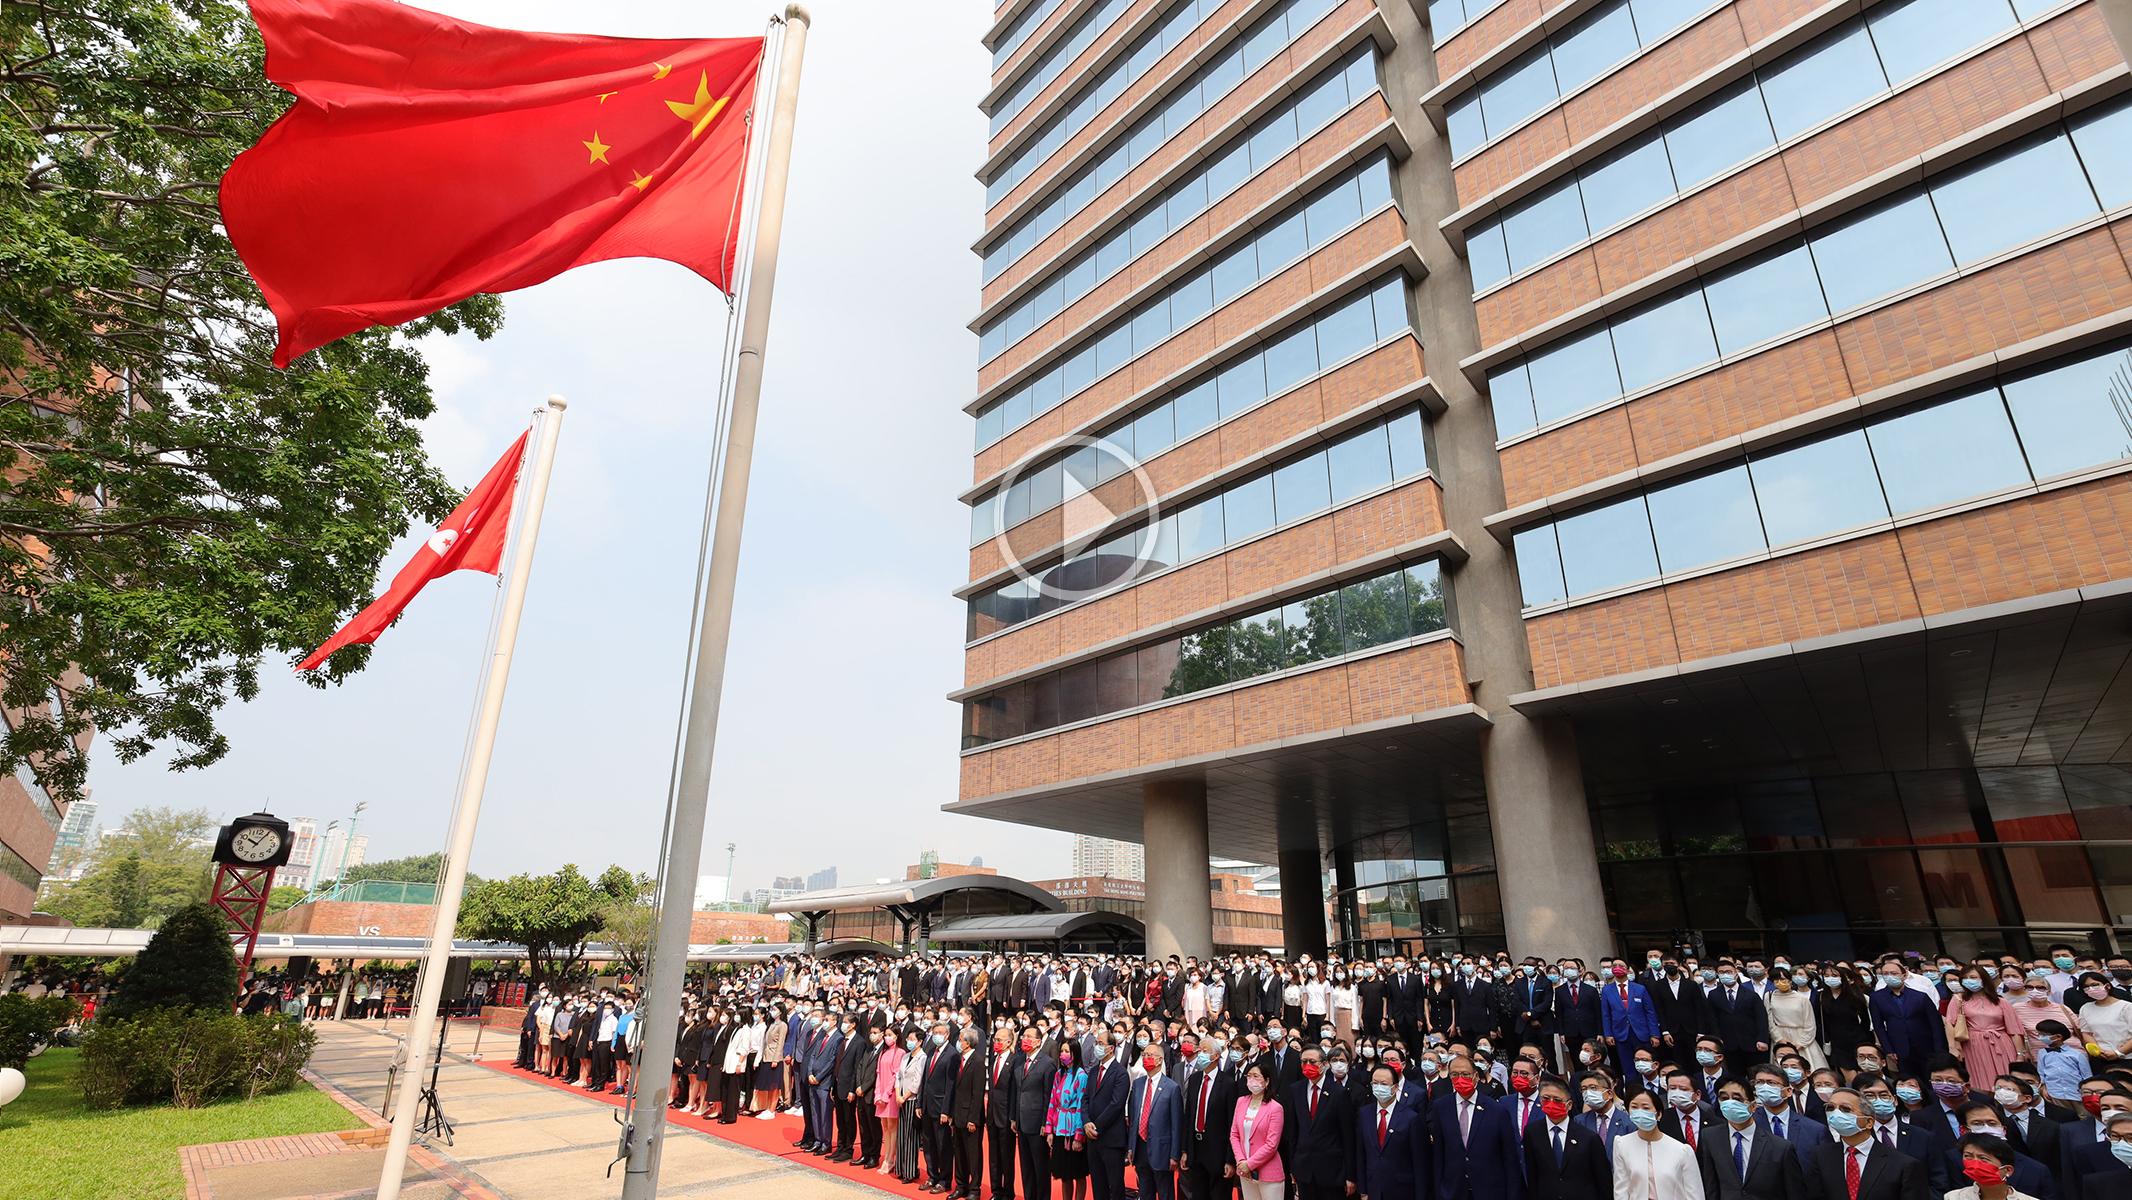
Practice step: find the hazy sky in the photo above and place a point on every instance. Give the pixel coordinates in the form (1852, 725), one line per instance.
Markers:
(837, 748)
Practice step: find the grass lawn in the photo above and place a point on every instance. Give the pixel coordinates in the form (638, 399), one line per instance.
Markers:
(55, 1145)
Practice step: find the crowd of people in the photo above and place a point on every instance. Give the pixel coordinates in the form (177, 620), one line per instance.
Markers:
(1670, 1077)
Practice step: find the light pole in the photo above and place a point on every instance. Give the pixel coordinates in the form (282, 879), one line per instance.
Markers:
(318, 861)
(729, 872)
(347, 843)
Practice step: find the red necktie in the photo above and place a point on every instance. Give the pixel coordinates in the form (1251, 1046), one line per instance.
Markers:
(1206, 1089)
(1850, 1172)
(1147, 1105)
(1687, 1125)
(1313, 1103)
(1384, 1124)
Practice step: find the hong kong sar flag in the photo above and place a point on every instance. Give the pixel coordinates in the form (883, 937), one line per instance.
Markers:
(428, 159)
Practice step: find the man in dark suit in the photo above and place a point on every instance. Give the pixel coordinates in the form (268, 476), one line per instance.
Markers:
(1739, 1019)
(2085, 1160)
(936, 1103)
(1577, 1020)
(1534, 1021)
(844, 1074)
(1881, 1173)
(1404, 997)
(1154, 1129)
(1678, 1002)
(1103, 1110)
(1682, 1116)
(1775, 1112)
(1565, 1160)
(1906, 1022)
(1033, 1075)
(1373, 996)
(1282, 1065)
(2029, 1126)
(1391, 1141)
(1741, 1160)
(1317, 1141)
(1002, 1099)
(1210, 1091)
(1472, 1006)
(1478, 1154)
(968, 1110)
(1892, 1132)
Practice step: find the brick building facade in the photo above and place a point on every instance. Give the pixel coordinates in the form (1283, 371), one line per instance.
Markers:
(1564, 472)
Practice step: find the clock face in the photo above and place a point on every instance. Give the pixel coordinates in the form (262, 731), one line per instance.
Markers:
(255, 844)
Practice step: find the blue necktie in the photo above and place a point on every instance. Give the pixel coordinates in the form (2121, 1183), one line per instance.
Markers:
(1776, 1126)
(1558, 1147)
(1739, 1153)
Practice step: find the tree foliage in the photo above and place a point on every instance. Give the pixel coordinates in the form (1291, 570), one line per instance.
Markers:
(419, 868)
(177, 508)
(630, 917)
(188, 964)
(552, 916)
(153, 865)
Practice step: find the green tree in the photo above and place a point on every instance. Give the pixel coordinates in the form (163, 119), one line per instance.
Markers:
(153, 865)
(282, 899)
(552, 916)
(628, 919)
(188, 964)
(177, 509)
(420, 868)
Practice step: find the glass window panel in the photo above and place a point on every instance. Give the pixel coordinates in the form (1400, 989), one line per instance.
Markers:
(1186, 201)
(1047, 487)
(1518, 91)
(2076, 415)
(1626, 183)
(1607, 547)
(1079, 696)
(1241, 385)
(1389, 299)
(1281, 243)
(1247, 508)
(1151, 325)
(1780, 815)
(1149, 228)
(983, 517)
(1320, 104)
(1642, 896)
(1486, 252)
(1045, 390)
(1946, 451)
(1164, 551)
(1463, 120)
(1199, 529)
(1152, 433)
(1539, 565)
(2101, 796)
(1044, 702)
(1114, 348)
(1374, 184)
(2028, 804)
(1359, 462)
(1346, 331)
(1913, 35)
(1193, 299)
(1713, 892)
(1223, 74)
(1656, 18)
(1543, 226)
(1723, 132)
(1883, 888)
(1663, 340)
(1597, 42)
(1373, 611)
(2017, 197)
(1291, 360)
(1078, 372)
(1836, 73)
(1231, 169)
(1884, 251)
(1334, 210)
(1195, 409)
(1861, 810)
(1410, 450)
(1447, 17)
(2113, 871)
(1819, 487)
(1273, 138)
(1572, 376)
(1117, 682)
(1301, 487)
(2102, 137)
(1770, 297)
(1235, 272)
(1706, 520)
(1311, 629)
(1427, 608)
(991, 426)
(1203, 661)
(1510, 391)
(1257, 646)
(2054, 883)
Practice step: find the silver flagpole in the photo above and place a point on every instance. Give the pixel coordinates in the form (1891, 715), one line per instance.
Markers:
(422, 1019)
(661, 1008)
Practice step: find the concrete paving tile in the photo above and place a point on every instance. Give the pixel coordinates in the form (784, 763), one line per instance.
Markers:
(353, 1171)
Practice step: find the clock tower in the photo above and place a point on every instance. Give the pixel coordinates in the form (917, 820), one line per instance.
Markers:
(247, 851)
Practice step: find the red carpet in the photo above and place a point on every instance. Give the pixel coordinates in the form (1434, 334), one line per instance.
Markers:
(777, 1137)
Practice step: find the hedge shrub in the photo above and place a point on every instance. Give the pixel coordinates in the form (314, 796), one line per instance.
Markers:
(191, 1058)
(27, 1023)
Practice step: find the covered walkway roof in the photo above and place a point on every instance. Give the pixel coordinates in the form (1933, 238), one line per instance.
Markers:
(972, 893)
(1099, 925)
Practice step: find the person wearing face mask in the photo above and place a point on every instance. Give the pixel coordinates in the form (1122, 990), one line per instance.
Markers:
(1841, 1017)
(1683, 1115)
(1859, 1164)
(2059, 970)
(1346, 1007)
(1738, 1017)
(1981, 1119)
(1577, 1019)
(2105, 1020)
(1742, 1160)
(2084, 1142)
(967, 1113)
(1373, 994)
(1982, 1024)
(1776, 1115)
(1391, 1140)
(1906, 1022)
(1154, 1128)
(1602, 1112)
(1103, 1113)
(1473, 1004)
(1677, 999)
(1992, 1168)
(1652, 1163)
(1255, 1139)
(1478, 1153)
(936, 1100)
(1628, 1019)
(1791, 1013)
(1211, 1085)
(1882, 1114)
(2029, 1130)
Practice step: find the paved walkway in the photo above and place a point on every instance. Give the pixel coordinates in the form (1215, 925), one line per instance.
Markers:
(523, 1140)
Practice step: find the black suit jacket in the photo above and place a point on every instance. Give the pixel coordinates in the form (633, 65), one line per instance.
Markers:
(1211, 1146)
(1103, 1106)
(1773, 1171)
(1002, 1092)
(969, 1103)
(1317, 1150)
(1888, 1175)
(2116, 1185)
(1284, 1076)
(2084, 1162)
(1586, 1172)
(936, 1091)
(1402, 996)
(1682, 1015)
(1739, 1022)
(2041, 1142)
(1475, 1007)
(1033, 1075)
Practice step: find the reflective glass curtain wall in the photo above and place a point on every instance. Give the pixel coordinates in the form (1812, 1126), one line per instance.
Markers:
(1428, 886)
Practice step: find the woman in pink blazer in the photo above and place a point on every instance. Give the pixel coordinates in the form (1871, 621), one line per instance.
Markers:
(1255, 1138)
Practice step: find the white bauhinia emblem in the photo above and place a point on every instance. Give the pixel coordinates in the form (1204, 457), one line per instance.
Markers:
(441, 541)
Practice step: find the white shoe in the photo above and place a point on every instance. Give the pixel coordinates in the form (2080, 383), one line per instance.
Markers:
(766, 1115)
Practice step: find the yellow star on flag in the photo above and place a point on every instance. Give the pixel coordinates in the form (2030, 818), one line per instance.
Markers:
(640, 182)
(702, 110)
(598, 148)
(659, 71)
(603, 96)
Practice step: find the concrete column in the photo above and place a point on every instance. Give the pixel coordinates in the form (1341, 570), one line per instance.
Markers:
(2117, 14)
(1552, 899)
(1173, 831)
(1302, 903)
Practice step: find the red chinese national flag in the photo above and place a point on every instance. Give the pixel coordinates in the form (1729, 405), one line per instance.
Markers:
(471, 539)
(428, 159)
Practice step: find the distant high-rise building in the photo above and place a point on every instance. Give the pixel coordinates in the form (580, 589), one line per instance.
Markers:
(977, 861)
(822, 881)
(789, 883)
(336, 852)
(1106, 859)
(302, 867)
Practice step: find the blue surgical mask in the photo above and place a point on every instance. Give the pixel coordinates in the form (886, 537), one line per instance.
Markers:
(1708, 974)
(1794, 1074)
(1644, 1118)
(2123, 1151)
(1799, 981)
(1974, 985)
(1554, 977)
(1594, 1098)
(1841, 1123)
(1832, 980)
(2062, 963)
(1706, 1058)
(1882, 1107)
(1465, 969)
(1235, 1057)
(1908, 1094)
(1727, 978)
(1141, 1041)
(1201, 1059)
(1767, 1094)
(1429, 1067)
(1383, 1091)
(1735, 1111)
(939, 1038)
